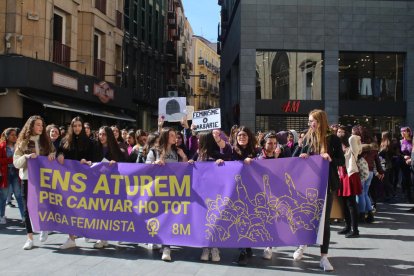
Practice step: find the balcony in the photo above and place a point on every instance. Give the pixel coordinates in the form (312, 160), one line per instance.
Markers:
(202, 84)
(119, 20)
(99, 69)
(61, 53)
(101, 5)
(201, 61)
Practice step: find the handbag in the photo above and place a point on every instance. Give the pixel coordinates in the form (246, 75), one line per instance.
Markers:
(363, 168)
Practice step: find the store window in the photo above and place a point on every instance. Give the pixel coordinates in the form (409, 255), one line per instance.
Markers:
(371, 76)
(376, 124)
(289, 75)
(281, 123)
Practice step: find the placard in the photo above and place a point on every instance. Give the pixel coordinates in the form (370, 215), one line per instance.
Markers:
(172, 109)
(207, 119)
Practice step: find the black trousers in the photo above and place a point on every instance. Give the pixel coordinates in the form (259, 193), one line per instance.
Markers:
(327, 227)
(350, 212)
(27, 221)
(406, 181)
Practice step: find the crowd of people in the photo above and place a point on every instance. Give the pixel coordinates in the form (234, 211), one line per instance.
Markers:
(364, 168)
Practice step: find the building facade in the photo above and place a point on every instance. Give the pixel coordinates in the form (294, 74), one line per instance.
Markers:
(206, 77)
(60, 59)
(281, 59)
(145, 60)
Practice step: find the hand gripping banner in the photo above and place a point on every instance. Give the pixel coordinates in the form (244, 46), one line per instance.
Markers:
(267, 203)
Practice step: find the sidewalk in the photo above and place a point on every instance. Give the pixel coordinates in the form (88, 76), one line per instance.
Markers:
(384, 248)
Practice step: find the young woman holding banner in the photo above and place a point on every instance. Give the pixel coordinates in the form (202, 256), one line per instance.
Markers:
(75, 146)
(318, 140)
(32, 142)
(107, 148)
(209, 150)
(167, 152)
(244, 149)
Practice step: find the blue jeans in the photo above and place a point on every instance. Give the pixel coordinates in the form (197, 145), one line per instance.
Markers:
(3, 199)
(15, 186)
(364, 202)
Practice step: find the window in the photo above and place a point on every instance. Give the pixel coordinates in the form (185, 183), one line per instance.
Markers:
(371, 76)
(61, 51)
(101, 5)
(289, 75)
(135, 22)
(150, 30)
(126, 16)
(99, 64)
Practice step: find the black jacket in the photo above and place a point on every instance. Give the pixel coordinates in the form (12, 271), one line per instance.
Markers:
(338, 159)
(81, 148)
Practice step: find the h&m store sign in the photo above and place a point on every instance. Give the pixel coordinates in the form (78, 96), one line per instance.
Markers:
(291, 107)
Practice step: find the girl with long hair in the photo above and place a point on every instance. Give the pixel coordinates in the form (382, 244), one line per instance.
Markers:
(131, 141)
(107, 148)
(350, 184)
(244, 149)
(32, 142)
(151, 145)
(121, 143)
(9, 182)
(208, 150)
(54, 134)
(406, 144)
(167, 152)
(370, 154)
(319, 141)
(386, 155)
(74, 146)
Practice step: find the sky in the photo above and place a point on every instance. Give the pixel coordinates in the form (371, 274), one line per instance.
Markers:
(204, 17)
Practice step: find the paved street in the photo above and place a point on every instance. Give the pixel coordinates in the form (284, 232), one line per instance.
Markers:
(384, 248)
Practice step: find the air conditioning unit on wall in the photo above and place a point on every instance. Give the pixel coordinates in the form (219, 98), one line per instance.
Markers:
(172, 93)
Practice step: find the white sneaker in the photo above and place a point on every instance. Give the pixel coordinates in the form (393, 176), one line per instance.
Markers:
(325, 264)
(87, 239)
(215, 254)
(28, 245)
(69, 243)
(153, 246)
(298, 255)
(268, 253)
(43, 236)
(101, 244)
(166, 254)
(206, 254)
(3, 220)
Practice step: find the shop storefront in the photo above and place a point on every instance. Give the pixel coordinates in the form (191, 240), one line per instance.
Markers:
(353, 59)
(59, 94)
(288, 87)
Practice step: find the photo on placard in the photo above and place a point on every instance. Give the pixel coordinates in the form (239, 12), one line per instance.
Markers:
(172, 109)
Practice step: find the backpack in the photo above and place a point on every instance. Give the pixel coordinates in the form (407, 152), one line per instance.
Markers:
(363, 168)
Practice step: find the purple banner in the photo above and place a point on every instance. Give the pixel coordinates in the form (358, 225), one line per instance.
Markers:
(267, 203)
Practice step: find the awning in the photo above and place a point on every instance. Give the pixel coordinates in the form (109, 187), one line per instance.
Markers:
(78, 108)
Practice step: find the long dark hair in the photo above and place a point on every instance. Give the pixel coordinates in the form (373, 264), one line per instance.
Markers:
(207, 146)
(251, 143)
(152, 138)
(163, 144)
(138, 135)
(6, 133)
(69, 140)
(114, 151)
(27, 131)
(119, 139)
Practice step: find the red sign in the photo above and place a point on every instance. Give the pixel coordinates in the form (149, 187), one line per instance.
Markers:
(291, 107)
(103, 91)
